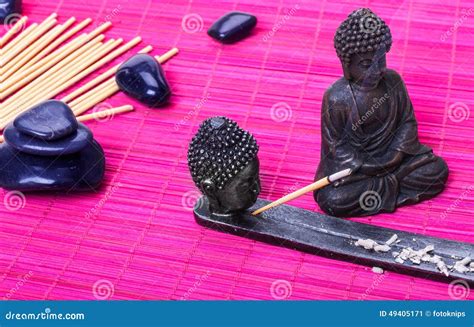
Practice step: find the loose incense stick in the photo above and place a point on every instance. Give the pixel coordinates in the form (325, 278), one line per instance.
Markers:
(33, 70)
(40, 67)
(59, 85)
(51, 81)
(98, 79)
(309, 188)
(58, 42)
(55, 80)
(58, 65)
(18, 62)
(104, 114)
(13, 30)
(32, 37)
(104, 91)
(19, 38)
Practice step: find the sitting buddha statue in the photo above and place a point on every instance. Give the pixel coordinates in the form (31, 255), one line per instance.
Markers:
(368, 125)
(223, 162)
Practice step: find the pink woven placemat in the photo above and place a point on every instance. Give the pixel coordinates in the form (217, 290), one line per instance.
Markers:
(136, 237)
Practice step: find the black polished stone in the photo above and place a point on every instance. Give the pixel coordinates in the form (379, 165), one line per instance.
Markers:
(81, 171)
(70, 144)
(7, 8)
(142, 77)
(49, 120)
(232, 27)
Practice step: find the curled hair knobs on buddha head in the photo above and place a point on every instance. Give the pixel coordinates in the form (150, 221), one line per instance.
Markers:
(362, 31)
(219, 151)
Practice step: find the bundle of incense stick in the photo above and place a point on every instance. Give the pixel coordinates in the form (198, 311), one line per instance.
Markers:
(42, 60)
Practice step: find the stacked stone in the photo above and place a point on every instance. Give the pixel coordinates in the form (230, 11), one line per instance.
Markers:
(46, 148)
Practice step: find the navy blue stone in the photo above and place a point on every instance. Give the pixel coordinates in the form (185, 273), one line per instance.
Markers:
(49, 120)
(142, 77)
(81, 171)
(232, 27)
(70, 144)
(7, 8)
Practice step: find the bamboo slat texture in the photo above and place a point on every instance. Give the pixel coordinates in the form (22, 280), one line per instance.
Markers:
(136, 237)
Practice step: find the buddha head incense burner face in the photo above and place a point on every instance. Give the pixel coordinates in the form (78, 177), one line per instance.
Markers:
(223, 162)
(368, 125)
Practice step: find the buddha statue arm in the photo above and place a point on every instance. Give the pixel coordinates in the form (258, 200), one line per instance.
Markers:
(382, 165)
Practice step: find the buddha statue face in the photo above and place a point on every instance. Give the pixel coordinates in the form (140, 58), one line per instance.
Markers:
(361, 43)
(239, 194)
(367, 69)
(224, 165)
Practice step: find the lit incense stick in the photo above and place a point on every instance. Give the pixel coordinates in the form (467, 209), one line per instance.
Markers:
(309, 188)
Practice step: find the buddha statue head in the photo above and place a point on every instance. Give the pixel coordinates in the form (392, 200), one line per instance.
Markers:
(223, 162)
(361, 42)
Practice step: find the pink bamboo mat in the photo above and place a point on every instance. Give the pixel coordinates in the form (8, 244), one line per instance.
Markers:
(136, 237)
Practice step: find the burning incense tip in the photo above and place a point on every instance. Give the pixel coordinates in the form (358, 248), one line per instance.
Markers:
(309, 188)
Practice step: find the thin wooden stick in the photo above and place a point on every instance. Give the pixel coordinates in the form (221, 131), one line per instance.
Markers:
(12, 31)
(71, 75)
(168, 55)
(63, 75)
(52, 70)
(309, 188)
(20, 80)
(57, 42)
(62, 86)
(24, 44)
(97, 92)
(107, 89)
(52, 80)
(18, 62)
(99, 79)
(20, 37)
(105, 114)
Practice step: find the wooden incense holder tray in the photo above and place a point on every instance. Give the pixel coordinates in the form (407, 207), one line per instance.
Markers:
(335, 238)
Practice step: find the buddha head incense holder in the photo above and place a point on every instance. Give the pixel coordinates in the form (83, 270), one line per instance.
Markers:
(368, 125)
(223, 162)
